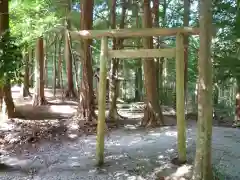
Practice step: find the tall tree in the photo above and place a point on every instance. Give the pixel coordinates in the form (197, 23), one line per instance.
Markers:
(155, 11)
(31, 66)
(138, 68)
(59, 71)
(5, 32)
(186, 24)
(237, 34)
(54, 82)
(161, 64)
(45, 65)
(112, 116)
(86, 105)
(68, 54)
(203, 164)
(1, 98)
(152, 112)
(117, 44)
(26, 81)
(39, 98)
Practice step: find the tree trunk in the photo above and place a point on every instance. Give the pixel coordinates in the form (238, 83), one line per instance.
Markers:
(185, 40)
(237, 109)
(1, 98)
(11, 111)
(30, 66)
(68, 58)
(162, 62)
(39, 98)
(59, 71)
(86, 104)
(138, 70)
(155, 11)
(4, 17)
(113, 115)
(54, 82)
(26, 82)
(138, 82)
(215, 95)
(203, 164)
(45, 70)
(4, 28)
(70, 93)
(152, 113)
(117, 44)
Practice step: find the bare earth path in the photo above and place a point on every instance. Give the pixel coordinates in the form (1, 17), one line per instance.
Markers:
(131, 153)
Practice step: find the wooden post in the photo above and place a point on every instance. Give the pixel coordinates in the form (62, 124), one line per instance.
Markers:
(180, 105)
(102, 101)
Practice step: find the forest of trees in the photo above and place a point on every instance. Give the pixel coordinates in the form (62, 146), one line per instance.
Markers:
(39, 49)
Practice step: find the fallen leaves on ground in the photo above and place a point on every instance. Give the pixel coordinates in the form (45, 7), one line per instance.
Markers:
(18, 132)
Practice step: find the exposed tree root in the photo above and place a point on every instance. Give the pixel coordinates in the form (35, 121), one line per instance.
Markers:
(18, 115)
(151, 118)
(39, 101)
(70, 93)
(177, 162)
(87, 115)
(8, 99)
(26, 92)
(114, 116)
(90, 123)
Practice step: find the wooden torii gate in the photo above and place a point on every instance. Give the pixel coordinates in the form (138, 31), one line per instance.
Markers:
(107, 54)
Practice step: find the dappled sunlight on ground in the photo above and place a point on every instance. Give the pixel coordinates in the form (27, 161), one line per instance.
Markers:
(138, 154)
(49, 144)
(62, 109)
(128, 155)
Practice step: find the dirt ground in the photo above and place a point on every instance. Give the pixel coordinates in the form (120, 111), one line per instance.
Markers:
(38, 123)
(43, 142)
(57, 121)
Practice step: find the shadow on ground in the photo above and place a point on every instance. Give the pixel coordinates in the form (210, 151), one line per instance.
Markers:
(139, 154)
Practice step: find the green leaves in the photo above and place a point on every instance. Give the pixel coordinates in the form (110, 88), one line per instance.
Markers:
(10, 58)
(30, 19)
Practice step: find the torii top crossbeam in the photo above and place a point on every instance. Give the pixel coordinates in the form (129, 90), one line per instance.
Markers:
(126, 33)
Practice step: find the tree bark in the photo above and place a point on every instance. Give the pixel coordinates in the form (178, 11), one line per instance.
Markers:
(155, 11)
(4, 17)
(215, 95)
(185, 40)
(4, 28)
(11, 111)
(59, 71)
(152, 113)
(162, 62)
(203, 165)
(54, 82)
(138, 70)
(45, 69)
(70, 93)
(86, 104)
(26, 82)
(117, 44)
(113, 115)
(68, 57)
(237, 109)
(1, 98)
(39, 98)
(138, 84)
(31, 67)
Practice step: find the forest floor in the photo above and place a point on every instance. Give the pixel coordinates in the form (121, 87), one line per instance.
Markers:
(49, 144)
